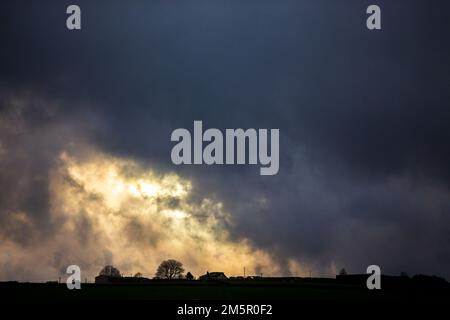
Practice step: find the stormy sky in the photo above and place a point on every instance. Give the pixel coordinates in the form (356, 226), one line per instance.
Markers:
(364, 119)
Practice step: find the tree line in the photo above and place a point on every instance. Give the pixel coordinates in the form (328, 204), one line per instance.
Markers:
(168, 269)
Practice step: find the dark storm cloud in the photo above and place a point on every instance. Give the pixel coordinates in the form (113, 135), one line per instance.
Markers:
(33, 132)
(363, 115)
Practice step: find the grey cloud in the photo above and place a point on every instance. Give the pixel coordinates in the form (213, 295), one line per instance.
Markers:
(364, 173)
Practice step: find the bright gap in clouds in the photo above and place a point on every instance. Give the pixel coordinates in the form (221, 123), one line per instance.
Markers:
(114, 211)
(72, 203)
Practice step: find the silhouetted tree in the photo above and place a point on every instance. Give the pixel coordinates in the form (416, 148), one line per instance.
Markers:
(189, 276)
(138, 275)
(170, 269)
(110, 271)
(343, 272)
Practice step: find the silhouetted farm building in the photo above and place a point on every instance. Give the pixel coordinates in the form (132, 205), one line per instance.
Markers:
(213, 276)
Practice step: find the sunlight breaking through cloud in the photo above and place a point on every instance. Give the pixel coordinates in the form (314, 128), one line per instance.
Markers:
(116, 211)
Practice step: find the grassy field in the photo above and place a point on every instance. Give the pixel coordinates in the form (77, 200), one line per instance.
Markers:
(193, 290)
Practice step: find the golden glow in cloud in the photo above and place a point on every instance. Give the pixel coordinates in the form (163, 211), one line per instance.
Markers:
(115, 211)
(89, 208)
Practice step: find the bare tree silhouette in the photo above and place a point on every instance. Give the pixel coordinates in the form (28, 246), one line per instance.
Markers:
(170, 269)
(110, 271)
(189, 276)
